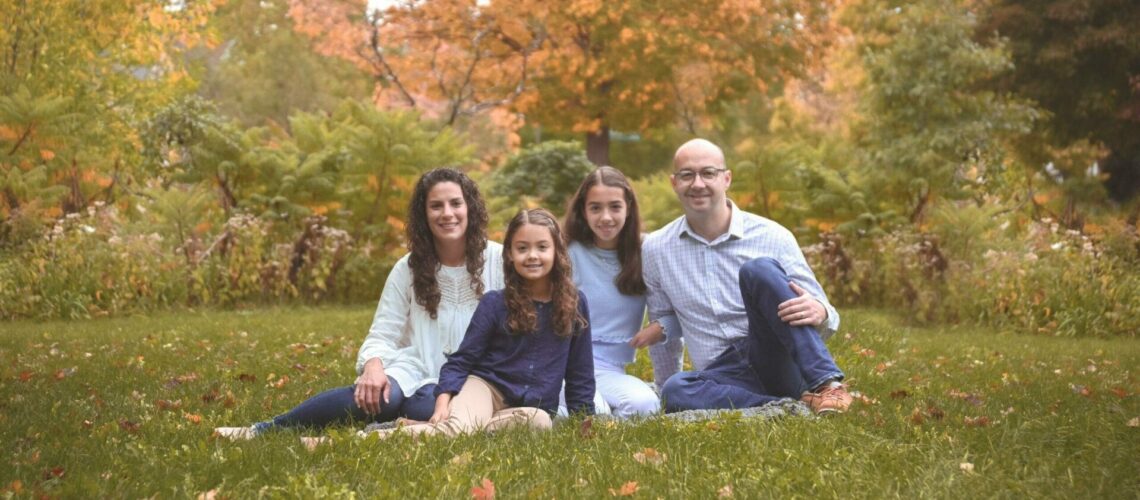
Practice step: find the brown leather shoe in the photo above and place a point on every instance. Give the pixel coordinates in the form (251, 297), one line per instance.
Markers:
(828, 399)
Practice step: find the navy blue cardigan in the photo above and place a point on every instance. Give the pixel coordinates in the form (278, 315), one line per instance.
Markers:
(528, 369)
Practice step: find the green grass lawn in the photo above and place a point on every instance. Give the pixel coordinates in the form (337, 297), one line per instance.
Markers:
(125, 408)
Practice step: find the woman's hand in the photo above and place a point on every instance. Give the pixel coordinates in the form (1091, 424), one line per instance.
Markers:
(372, 386)
(442, 408)
(651, 334)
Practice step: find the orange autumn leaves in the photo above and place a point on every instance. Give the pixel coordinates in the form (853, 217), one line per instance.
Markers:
(580, 66)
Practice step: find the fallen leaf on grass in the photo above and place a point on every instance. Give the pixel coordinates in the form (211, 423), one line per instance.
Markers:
(26, 375)
(973, 399)
(208, 495)
(182, 379)
(586, 429)
(863, 398)
(131, 427)
(54, 473)
(247, 377)
(193, 418)
(650, 456)
(966, 467)
(484, 491)
(1120, 392)
(725, 492)
(281, 382)
(899, 394)
(626, 490)
(1081, 390)
(15, 486)
(461, 459)
(87, 424)
(919, 416)
(63, 373)
(163, 404)
(981, 421)
(1135, 422)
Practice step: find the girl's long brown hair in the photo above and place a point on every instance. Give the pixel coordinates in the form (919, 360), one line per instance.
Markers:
(423, 260)
(522, 317)
(628, 280)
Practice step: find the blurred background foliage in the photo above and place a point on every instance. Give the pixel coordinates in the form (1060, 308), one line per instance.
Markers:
(957, 160)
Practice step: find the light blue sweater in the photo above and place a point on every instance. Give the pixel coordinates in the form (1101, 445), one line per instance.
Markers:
(614, 318)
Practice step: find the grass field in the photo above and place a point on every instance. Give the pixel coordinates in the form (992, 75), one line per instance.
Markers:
(125, 408)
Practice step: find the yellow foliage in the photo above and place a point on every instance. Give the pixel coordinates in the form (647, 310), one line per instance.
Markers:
(396, 223)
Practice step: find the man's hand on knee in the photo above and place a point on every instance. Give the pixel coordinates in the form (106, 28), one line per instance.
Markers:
(804, 310)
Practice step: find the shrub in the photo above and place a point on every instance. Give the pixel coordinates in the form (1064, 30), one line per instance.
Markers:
(1043, 280)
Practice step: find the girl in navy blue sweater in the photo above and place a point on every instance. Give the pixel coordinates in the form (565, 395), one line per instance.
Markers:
(522, 343)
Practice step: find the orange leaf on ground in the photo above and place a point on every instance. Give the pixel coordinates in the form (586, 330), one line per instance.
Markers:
(163, 404)
(484, 491)
(626, 490)
(650, 456)
(981, 421)
(194, 418)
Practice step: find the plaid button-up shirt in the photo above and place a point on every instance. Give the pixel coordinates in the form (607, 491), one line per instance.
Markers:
(697, 281)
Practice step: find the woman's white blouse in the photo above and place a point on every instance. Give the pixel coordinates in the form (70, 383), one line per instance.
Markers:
(411, 344)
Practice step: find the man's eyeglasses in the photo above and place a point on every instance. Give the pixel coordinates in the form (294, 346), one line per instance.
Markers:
(707, 174)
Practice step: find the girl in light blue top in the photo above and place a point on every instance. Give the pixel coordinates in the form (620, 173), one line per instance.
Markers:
(603, 226)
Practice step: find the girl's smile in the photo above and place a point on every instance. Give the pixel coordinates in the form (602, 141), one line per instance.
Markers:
(532, 252)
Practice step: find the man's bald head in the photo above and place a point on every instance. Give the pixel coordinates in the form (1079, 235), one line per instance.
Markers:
(698, 148)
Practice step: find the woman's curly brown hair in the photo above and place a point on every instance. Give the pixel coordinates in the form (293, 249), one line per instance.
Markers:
(522, 316)
(423, 259)
(628, 280)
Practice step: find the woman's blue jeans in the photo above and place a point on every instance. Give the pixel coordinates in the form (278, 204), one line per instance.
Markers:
(337, 406)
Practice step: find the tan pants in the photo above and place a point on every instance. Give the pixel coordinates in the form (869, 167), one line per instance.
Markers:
(479, 406)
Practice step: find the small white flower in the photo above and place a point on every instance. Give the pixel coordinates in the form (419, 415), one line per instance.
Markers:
(1058, 245)
(87, 229)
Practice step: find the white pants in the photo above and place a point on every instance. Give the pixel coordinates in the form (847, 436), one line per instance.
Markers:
(626, 395)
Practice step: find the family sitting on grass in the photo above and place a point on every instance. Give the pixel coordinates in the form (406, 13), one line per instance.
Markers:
(460, 344)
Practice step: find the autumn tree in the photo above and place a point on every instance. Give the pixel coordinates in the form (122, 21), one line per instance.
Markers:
(77, 75)
(583, 66)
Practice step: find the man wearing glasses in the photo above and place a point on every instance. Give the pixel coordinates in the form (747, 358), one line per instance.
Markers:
(753, 315)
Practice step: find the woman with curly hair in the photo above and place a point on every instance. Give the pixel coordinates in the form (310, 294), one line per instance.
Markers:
(428, 300)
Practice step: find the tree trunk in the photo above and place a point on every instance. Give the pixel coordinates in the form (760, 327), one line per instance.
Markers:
(598, 146)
